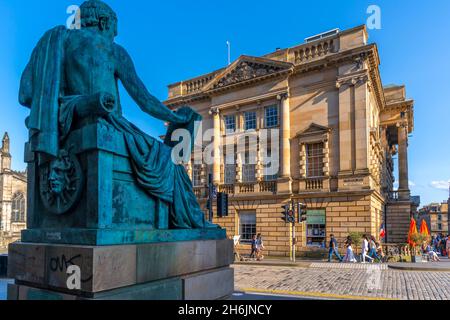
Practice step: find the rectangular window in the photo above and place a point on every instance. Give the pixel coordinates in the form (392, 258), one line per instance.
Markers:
(268, 169)
(272, 119)
(247, 225)
(249, 173)
(316, 228)
(314, 160)
(230, 124)
(197, 175)
(250, 120)
(230, 174)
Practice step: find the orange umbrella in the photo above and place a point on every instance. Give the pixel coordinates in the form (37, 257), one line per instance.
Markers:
(424, 228)
(412, 231)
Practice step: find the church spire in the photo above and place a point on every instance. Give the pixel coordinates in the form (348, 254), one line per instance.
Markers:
(5, 143)
(5, 161)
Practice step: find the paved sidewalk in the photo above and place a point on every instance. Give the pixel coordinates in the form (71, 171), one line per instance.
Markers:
(372, 282)
(442, 266)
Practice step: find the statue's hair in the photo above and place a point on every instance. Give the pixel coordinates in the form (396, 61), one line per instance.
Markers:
(92, 11)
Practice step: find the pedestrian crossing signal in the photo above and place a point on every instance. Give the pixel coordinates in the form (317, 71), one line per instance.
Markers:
(291, 216)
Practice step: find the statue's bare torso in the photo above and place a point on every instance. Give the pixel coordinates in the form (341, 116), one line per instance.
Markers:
(90, 64)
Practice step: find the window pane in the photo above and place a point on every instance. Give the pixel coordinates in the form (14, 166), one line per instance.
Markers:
(314, 160)
(230, 124)
(316, 228)
(247, 225)
(249, 173)
(18, 207)
(196, 175)
(272, 116)
(250, 121)
(230, 174)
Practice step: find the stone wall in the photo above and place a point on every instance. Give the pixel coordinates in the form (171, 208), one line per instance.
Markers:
(344, 214)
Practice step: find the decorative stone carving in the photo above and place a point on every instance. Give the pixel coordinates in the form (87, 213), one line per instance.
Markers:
(61, 183)
(352, 80)
(247, 71)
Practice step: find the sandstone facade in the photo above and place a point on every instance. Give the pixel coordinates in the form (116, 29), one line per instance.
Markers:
(338, 131)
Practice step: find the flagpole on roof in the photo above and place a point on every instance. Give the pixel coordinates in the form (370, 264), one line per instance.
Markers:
(229, 52)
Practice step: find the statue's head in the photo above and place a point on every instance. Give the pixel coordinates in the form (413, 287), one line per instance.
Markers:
(96, 13)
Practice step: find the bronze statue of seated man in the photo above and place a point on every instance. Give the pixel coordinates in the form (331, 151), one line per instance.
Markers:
(72, 80)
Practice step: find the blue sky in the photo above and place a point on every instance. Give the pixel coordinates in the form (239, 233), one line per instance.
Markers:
(174, 40)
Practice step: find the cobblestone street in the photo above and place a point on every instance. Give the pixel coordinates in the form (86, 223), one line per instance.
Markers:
(344, 281)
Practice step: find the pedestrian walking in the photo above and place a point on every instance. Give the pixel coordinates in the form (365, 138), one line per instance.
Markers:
(365, 250)
(259, 247)
(448, 246)
(373, 249)
(349, 255)
(254, 248)
(334, 249)
(380, 251)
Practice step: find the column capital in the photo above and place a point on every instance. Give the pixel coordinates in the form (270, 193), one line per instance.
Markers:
(214, 111)
(402, 124)
(283, 96)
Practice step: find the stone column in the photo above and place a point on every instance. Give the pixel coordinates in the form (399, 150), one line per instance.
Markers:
(346, 144)
(285, 136)
(404, 193)
(217, 155)
(361, 126)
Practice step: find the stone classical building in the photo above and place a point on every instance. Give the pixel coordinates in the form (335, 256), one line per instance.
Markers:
(436, 215)
(13, 191)
(338, 131)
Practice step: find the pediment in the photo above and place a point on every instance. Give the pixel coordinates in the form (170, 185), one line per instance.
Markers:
(246, 69)
(314, 130)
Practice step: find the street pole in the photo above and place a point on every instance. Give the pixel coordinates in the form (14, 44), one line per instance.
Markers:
(210, 197)
(293, 233)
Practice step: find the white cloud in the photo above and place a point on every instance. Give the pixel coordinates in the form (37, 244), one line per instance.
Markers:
(441, 185)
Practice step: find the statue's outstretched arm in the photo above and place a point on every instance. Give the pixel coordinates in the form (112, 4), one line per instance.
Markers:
(137, 90)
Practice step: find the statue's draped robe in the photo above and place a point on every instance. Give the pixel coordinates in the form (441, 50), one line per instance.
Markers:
(50, 122)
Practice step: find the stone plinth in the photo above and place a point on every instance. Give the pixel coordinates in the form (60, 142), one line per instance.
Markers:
(188, 270)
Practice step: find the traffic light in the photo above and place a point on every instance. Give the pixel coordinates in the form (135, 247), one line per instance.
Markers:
(302, 212)
(222, 205)
(291, 216)
(284, 213)
(288, 214)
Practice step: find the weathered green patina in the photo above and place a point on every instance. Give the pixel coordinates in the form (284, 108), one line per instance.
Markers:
(94, 177)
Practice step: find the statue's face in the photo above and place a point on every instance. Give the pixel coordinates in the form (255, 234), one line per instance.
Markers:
(108, 26)
(57, 178)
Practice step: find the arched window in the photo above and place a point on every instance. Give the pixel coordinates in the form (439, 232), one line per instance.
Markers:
(18, 207)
